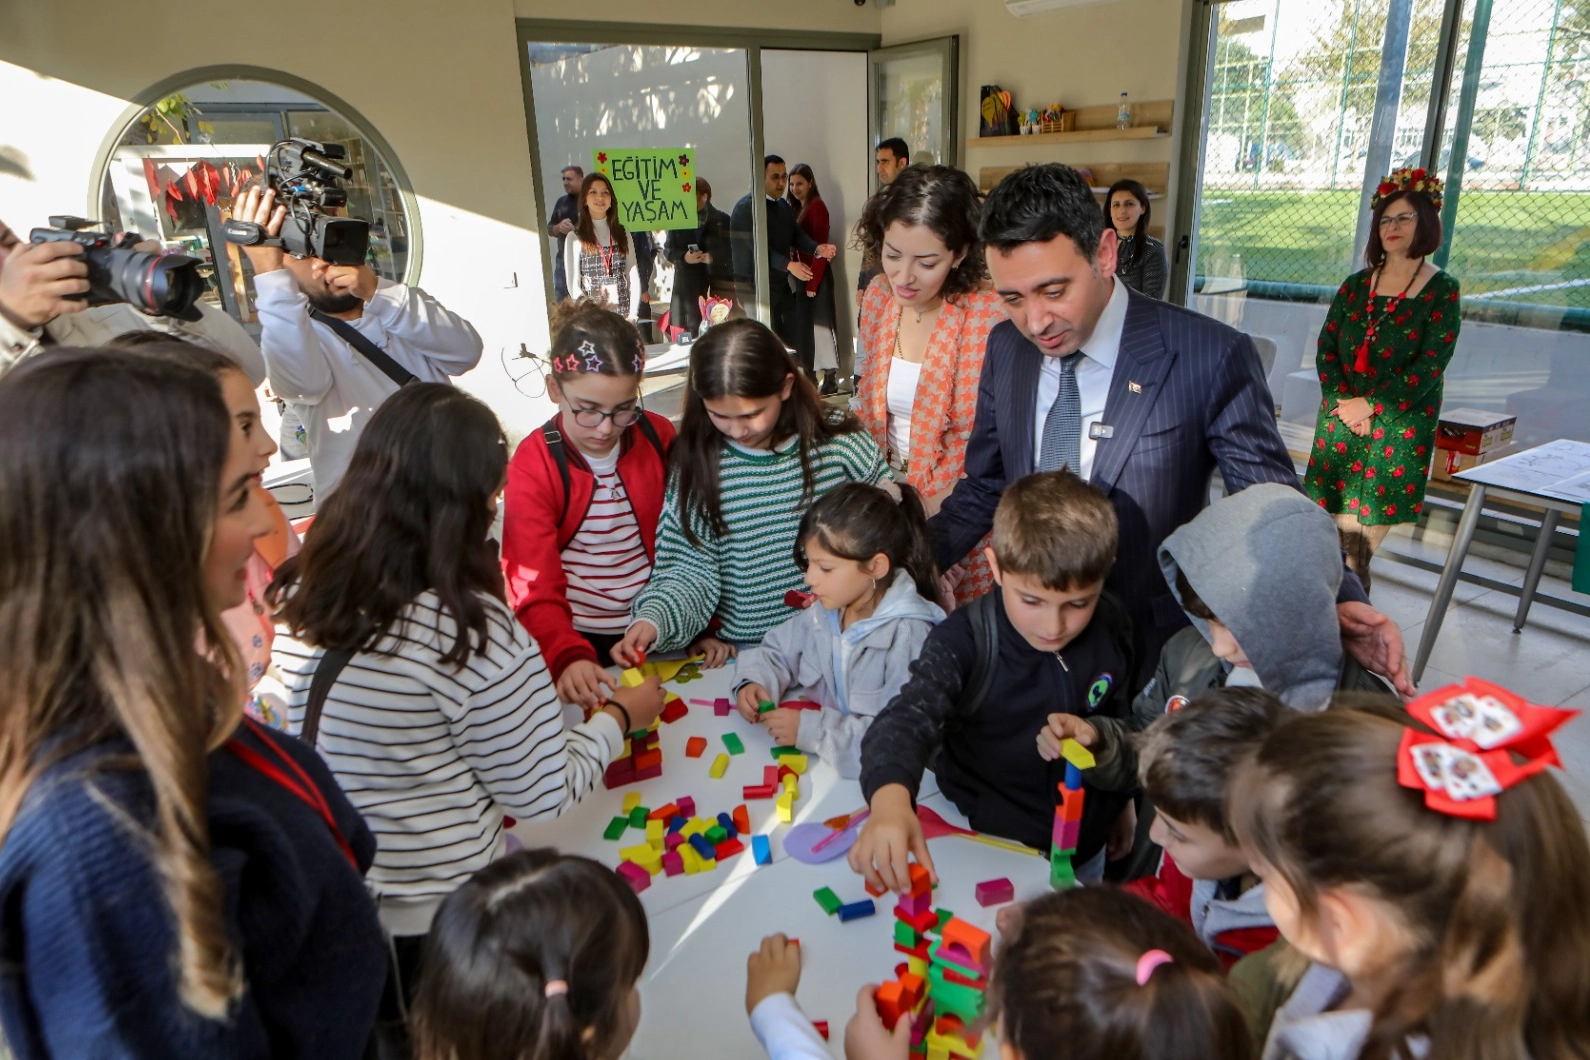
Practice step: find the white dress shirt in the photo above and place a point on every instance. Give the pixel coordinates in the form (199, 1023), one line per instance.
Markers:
(1094, 372)
(785, 1031)
(333, 387)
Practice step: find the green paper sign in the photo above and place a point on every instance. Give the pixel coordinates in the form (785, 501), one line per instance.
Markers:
(655, 187)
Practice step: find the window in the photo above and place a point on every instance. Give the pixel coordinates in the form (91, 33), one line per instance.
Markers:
(180, 163)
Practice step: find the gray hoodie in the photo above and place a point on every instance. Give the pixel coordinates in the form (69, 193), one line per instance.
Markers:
(805, 651)
(1213, 917)
(1310, 1026)
(1267, 561)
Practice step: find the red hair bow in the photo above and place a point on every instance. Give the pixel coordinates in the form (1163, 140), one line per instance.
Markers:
(1485, 726)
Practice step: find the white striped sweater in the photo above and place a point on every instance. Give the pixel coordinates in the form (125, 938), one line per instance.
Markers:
(742, 577)
(605, 563)
(433, 757)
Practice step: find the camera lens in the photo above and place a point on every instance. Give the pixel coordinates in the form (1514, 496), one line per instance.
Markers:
(158, 284)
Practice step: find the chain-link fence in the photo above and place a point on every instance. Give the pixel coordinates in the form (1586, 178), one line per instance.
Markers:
(1289, 118)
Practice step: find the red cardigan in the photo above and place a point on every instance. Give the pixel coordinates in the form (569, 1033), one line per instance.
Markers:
(533, 540)
(814, 224)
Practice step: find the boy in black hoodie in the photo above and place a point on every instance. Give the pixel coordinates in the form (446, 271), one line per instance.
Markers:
(1049, 641)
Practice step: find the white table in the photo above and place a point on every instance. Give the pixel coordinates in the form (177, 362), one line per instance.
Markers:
(1555, 477)
(704, 926)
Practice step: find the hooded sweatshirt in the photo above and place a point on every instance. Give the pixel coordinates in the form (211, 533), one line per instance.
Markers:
(853, 673)
(1311, 1027)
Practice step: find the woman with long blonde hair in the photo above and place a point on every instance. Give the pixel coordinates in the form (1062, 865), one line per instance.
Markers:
(175, 881)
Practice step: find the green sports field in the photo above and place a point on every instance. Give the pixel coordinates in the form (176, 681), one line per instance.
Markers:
(1504, 240)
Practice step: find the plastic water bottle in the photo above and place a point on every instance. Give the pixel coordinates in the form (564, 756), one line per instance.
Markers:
(1123, 114)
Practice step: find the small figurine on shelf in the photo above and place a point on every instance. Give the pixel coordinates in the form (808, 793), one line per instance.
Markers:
(1031, 122)
(713, 311)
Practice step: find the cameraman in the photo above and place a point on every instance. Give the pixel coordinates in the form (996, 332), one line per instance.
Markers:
(332, 386)
(37, 282)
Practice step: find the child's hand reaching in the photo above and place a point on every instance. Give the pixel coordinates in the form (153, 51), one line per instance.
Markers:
(638, 640)
(782, 724)
(773, 969)
(644, 702)
(1061, 726)
(586, 683)
(868, 1039)
(716, 651)
(890, 837)
(749, 701)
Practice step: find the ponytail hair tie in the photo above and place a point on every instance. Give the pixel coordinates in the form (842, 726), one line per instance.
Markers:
(1146, 964)
(561, 986)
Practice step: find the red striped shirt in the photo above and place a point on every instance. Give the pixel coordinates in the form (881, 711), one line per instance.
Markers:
(605, 562)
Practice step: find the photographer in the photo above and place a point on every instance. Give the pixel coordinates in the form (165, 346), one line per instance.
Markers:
(41, 304)
(334, 387)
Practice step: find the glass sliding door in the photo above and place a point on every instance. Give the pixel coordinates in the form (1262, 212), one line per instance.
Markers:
(915, 97)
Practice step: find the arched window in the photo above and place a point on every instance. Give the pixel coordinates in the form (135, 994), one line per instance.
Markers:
(174, 170)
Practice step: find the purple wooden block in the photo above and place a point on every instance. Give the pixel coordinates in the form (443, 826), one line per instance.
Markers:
(994, 892)
(673, 840)
(914, 906)
(673, 862)
(687, 806)
(638, 877)
(721, 707)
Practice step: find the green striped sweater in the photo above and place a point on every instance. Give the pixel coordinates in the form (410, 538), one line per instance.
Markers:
(742, 577)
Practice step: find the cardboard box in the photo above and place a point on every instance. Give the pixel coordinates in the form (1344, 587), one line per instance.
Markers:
(1449, 462)
(1473, 431)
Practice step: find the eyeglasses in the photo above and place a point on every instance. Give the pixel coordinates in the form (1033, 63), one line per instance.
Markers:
(1398, 220)
(621, 418)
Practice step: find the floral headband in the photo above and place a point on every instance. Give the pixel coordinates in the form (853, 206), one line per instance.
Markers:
(1408, 179)
(1484, 727)
(586, 359)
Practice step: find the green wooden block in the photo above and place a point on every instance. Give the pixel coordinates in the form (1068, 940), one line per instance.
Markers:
(637, 817)
(828, 900)
(616, 828)
(945, 916)
(953, 999)
(732, 742)
(716, 834)
(765, 706)
(905, 934)
(780, 752)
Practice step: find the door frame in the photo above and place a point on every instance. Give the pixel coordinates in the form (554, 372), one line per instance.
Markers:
(751, 41)
(948, 50)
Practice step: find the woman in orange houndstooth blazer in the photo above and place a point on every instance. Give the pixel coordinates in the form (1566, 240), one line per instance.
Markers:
(925, 321)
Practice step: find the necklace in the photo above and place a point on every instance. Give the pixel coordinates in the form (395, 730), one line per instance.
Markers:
(1361, 359)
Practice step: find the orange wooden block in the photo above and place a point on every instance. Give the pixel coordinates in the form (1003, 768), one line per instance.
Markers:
(647, 759)
(663, 813)
(921, 882)
(695, 746)
(742, 820)
(969, 940)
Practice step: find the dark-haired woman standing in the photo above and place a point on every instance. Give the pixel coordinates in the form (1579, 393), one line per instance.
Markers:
(1382, 361)
(811, 214)
(1140, 262)
(599, 257)
(924, 325)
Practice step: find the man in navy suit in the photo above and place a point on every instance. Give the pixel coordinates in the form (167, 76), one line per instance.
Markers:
(1158, 397)
(786, 297)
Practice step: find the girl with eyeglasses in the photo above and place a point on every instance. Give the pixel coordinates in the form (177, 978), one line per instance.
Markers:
(585, 492)
(1383, 353)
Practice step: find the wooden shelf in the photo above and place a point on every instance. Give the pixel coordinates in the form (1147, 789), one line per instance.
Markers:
(1080, 136)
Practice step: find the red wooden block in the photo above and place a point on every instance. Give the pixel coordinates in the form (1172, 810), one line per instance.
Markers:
(675, 710)
(800, 704)
(618, 774)
(759, 791)
(920, 950)
(912, 987)
(646, 759)
(888, 1001)
(801, 600)
(770, 775)
(921, 882)
(728, 848)
(994, 892)
(821, 1026)
(921, 923)
(649, 773)
(878, 892)
(742, 820)
(694, 746)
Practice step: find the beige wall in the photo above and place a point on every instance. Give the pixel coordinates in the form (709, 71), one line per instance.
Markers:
(1080, 57)
(828, 16)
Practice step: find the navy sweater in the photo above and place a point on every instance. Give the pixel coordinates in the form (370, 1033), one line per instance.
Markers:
(88, 940)
(987, 760)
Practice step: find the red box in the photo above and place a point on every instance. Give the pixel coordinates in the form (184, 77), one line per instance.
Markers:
(1474, 431)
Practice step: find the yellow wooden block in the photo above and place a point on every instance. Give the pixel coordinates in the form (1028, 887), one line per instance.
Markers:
(666, 670)
(917, 966)
(634, 853)
(791, 785)
(631, 800)
(795, 762)
(720, 766)
(632, 678)
(1076, 754)
(786, 807)
(649, 858)
(654, 834)
(694, 826)
(691, 860)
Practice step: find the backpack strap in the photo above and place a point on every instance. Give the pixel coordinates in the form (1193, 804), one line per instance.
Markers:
(650, 432)
(985, 646)
(560, 457)
(326, 673)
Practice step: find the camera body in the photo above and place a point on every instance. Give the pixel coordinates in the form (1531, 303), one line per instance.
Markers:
(306, 176)
(156, 284)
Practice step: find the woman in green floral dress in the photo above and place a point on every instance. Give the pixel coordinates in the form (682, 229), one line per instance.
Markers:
(1382, 361)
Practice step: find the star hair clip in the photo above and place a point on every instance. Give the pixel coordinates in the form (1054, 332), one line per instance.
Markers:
(1483, 728)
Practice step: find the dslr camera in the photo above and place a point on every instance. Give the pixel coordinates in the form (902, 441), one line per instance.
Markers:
(305, 176)
(157, 284)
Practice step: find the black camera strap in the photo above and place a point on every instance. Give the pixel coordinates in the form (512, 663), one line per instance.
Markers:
(372, 353)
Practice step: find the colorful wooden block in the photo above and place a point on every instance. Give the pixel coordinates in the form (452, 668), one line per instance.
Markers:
(654, 833)
(821, 1027)
(905, 935)
(770, 775)
(914, 905)
(726, 822)
(673, 710)
(921, 880)
(721, 707)
(645, 760)
(758, 791)
(761, 850)
(780, 752)
(794, 762)
(672, 841)
(632, 678)
(673, 863)
(616, 828)
(1075, 754)
(687, 806)
(962, 940)
(765, 706)
(635, 876)
(631, 800)
(1073, 781)
(720, 766)
(742, 819)
(664, 813)
(691, 859)
(785, 804)
(637, 817)
(828, 900)
(857, 910)
(619, 773)
(732, 742)
(716, 834)
(695, 746)
(876, 892)
(729, 848)
(703, 847)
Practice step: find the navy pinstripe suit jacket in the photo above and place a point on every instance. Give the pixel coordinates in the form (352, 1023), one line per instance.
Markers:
(1188, 395)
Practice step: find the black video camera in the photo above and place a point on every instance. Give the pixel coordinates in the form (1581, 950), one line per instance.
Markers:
(305, 176)
(157, 284)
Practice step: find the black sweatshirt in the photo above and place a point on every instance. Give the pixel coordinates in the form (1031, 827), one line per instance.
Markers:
(987, 760)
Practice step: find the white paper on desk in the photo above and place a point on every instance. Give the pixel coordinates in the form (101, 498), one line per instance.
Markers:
(1576, 489)
(1541, 470)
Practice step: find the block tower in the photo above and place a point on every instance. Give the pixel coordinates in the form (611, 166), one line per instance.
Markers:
(640, 760)
(943, 981)
(1068, 816)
